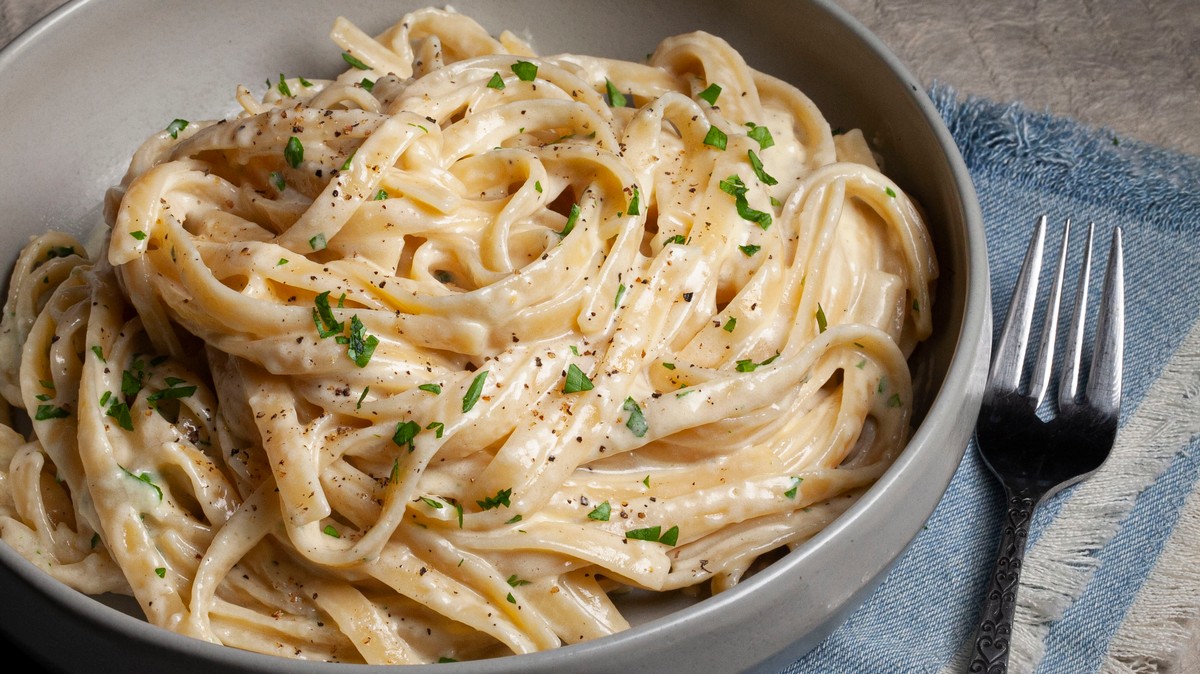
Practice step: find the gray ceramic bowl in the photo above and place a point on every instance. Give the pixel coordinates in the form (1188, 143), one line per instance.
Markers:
(82, 89)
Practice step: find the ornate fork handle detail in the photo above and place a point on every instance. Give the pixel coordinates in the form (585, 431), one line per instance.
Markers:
(992, 640)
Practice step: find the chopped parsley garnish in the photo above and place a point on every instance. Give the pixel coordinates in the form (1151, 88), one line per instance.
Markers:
(473, 392)
(716, 138)
(576, 380)
(293, 152)
(791, 493)
(176, 126)
(174, 392)
(361, 397)
(601, 513)
(283, 87)
(496, 82)
(45, 412)
(317, 242)
(636, 421)
(757, 165)
(514, 519)
(710, 93)
(331, 531)
(634, 208)
(161, 572)
(367, 84)
(381, 195)
(458, 510)
(304, 82)
(511, 599)
(278, 181)
(761, 134)
(437, 427)
(99, 354)
(436, 505)
(361, 345)
(822, 322)
(138, 234)
(143, 477)
(572, 218)
(894, 401)
(615, 98)
(656, 534)
(526, 71)
(346, 164)
(327, 324)
(282, 261)
(749, 249)
(669, 366)
(670, 536)
(118, 410)
(734, 186)
(104, 398)
(406, 432)
(730, 325)
(435, 389)
(500, 499)
(537, 186)
(882, 385)
(131, 381)
(620, 295)
(678, 238)
(890, 192)
(353, 60)
(514, 581)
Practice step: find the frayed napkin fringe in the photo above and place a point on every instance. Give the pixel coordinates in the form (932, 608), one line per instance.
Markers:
(1093, 165)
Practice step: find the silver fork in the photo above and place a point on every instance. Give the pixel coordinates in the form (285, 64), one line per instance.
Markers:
(1035, 458)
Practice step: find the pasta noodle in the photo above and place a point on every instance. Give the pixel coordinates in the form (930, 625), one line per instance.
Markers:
(434, 359)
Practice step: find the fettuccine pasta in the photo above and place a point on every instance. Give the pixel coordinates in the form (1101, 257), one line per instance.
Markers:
(436, 359)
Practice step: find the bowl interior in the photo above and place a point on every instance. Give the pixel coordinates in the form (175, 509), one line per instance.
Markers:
(80, 93)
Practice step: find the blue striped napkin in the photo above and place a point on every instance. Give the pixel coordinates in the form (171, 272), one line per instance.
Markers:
(1111, 581)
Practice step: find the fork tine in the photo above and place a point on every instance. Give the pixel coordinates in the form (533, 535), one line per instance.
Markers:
(1014, 337)
(1104, 379)
(1040, 380)
(1068, 385)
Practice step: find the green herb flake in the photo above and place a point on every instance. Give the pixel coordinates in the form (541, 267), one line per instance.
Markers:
(514, 519)
(511, 599)
(327, 324)
(99, 354)
(890, 192)
(437, 427)
(278, 181)
(514, 581)
(894, 401)
(861, 364)
(45, 412)
(822, 322)
(95, 540)
(329, 530)
(572, 218)
(283, 87)
(293, 152)
(435, 389)
(730, 325)
(119, 411)
(710, 93)
(601, 513)
(757, 165)
(525, 71)
(496, 82)
(317, 242)
(576, 380)
(282, 261)
(354, 61)
(361, 397)
(143, 477)
(645, 534)
(458, 509)
(646, 481)
(716, 138)
(669, 366)
(473, 392)
(406, 433)
(791, 493)
(634, 207)
(537, 186)
(670, 536)
(176, 126)
(678, 238)
(500, 499)
(161, 572)
(138, 234)
(615, 98)
(131, 382)
(346, 164)
(734, 186)
(620, 295)
(882, 385)
(367, 84)
(361, 345)
(746, 365)
(749, 249)
(436, 505)
(761, 134)
(444, 659)
(636, 422)
(304, 82)
(105, 397)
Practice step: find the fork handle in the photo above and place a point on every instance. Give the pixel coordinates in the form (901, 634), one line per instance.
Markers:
(992, 640)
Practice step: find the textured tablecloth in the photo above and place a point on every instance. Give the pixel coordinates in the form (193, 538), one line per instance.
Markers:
(1111, 583)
